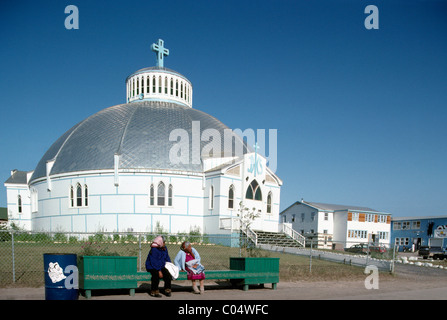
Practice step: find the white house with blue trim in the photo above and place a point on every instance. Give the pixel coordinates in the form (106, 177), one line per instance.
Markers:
(153, 161)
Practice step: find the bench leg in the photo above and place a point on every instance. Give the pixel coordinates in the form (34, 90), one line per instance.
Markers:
(88, 294)
(245, 287)
(132, 292)
(274, 286)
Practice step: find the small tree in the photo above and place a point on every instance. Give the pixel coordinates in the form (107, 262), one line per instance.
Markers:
(246, 217)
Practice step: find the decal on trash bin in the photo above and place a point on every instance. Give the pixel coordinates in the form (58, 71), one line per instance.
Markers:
(55, 272)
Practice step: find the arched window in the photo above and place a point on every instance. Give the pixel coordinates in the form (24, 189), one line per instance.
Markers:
(71, 196)
(172, 87)
(231, 197)
(19, 203)
(153, 85)
(170, 195)
(161, 194)
(148, 85)
(269, 203)
(152, 195)
(254, 191)
(176, 88)
(85, 195)
(78, 195)
(138, 86)
(211, 197)
(166, 85)
(159, 84)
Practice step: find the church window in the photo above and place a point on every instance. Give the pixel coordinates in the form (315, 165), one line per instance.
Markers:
(170, 195)
(254, 191)
(78, 195)
(231, 197)
(161, 194)
(249, 193)
(19, 203)
(176, 88)
(269, 203)
(172, 87)
(148, 85)
(181, 90)
(153, 85)
(159, 84)
(85, 195)
(152, 195)
(211, 197)
(138, 86)
(71, 196)
(166, 85)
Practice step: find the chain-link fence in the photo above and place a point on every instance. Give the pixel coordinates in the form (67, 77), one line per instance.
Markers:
(346, 253)
(21, 253)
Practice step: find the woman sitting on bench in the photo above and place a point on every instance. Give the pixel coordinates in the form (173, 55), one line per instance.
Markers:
(155, 264)
(188, 259)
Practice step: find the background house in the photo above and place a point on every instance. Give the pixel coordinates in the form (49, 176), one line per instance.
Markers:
(338, 226)
(409, 233)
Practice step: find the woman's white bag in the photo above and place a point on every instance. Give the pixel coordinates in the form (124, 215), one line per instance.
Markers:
(173, 270)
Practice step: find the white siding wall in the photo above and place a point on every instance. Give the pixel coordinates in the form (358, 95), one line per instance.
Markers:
(122, 208)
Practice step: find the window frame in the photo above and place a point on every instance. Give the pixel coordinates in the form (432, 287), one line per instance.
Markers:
(254, 191)
(211, 198)
(77, 200)
(161, 198)
(231, 197)
(269, 202)
(170, 195)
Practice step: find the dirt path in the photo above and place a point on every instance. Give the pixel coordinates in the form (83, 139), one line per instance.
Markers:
(409, 282)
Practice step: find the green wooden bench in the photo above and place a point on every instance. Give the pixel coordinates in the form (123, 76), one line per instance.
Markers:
(116, 272)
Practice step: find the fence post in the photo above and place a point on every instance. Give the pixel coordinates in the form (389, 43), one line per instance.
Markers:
(139, 249)
(367, 254)
(13, 258)
(394, 257)
(310, 258)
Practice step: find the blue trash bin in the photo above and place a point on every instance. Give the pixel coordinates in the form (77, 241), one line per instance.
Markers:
(60, 281)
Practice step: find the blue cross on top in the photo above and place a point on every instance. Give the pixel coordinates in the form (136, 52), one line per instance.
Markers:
(161, 51)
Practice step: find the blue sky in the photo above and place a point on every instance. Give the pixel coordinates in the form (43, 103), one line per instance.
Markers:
(361, 114)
